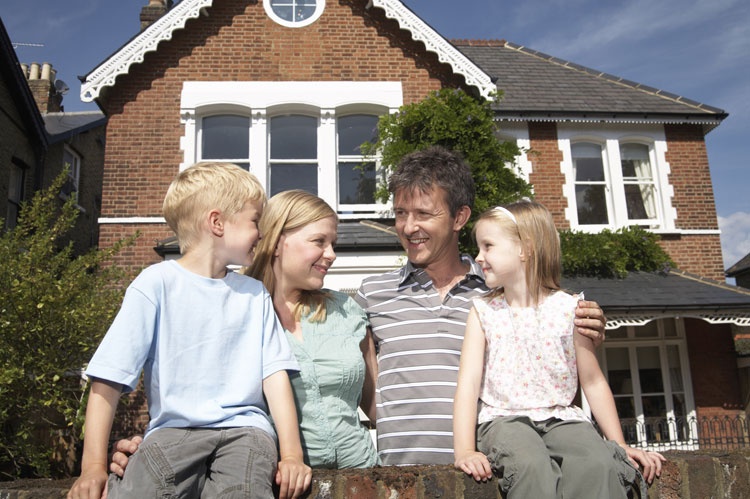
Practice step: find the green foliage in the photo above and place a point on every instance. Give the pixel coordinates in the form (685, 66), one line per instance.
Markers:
(54, 309)
(458, 122)
(612, 254)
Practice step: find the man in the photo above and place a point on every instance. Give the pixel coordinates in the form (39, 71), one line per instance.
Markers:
(418, 312)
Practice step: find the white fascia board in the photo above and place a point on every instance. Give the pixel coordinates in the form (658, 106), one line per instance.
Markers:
(434, 42)
(135, 50)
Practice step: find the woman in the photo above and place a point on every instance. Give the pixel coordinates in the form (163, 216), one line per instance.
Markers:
(326, 329)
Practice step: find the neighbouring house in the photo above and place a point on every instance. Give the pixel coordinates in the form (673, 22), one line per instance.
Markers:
(289, 91)
(37, 139)
(741, 272)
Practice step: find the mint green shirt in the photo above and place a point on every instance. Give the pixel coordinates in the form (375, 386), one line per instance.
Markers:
(328, 388)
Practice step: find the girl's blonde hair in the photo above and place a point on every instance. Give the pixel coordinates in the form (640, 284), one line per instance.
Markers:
(204, 187)
(285, 212)
(534, 228)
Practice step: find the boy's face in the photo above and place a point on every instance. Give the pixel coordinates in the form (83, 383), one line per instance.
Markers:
(241, 234)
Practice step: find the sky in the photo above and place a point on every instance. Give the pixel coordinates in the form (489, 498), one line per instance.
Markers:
(698, 49)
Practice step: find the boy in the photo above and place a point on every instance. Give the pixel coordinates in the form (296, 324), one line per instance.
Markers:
(211, 348)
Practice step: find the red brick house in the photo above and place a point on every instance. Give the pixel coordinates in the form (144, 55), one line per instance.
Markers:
(289, 89)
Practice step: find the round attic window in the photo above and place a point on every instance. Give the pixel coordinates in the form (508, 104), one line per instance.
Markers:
(294, 13)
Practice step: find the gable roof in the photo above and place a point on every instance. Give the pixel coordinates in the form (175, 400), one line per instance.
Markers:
(10, 72)
(148, 40)
(740, 267)
(538, 85)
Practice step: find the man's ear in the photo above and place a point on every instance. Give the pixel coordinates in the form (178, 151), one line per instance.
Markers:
(462, 216)
(216, 223)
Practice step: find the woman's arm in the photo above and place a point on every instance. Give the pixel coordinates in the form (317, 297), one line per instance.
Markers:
(293, 476)
(371, 376)
(465, 402)
(602, 405)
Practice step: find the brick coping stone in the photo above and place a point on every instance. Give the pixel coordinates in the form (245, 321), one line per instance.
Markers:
(687, 475)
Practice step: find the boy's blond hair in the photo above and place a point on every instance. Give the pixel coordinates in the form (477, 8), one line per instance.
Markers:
(535, 229)
(285, 212)
(203, 187)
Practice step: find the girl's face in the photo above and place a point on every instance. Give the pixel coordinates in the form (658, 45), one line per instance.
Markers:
(304, 255)
(500, 255)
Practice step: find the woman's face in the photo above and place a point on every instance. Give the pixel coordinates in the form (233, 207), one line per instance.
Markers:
(304, 255)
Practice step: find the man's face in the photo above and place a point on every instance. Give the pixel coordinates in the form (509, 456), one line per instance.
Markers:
(425, 227)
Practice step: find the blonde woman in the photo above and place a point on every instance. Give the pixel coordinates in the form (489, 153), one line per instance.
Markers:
(326, 329)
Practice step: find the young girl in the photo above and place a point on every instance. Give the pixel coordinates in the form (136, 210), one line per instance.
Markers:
(522, 361)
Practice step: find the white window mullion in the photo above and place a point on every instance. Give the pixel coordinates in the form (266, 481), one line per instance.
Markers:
(259, 140)
(639, 417)
(327, 175)
(667, 382)
(618, 210)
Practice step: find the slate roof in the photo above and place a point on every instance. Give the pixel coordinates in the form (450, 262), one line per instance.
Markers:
(740, 267)
(643, 291)
(60, 126)
(363, 235)
(536, 82)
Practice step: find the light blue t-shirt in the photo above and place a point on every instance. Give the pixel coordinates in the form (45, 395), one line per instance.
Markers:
(205, 346)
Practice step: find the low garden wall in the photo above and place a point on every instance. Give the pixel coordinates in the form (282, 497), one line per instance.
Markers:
(688, 475)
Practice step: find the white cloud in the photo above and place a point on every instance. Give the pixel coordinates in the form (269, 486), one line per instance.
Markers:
(735, 237)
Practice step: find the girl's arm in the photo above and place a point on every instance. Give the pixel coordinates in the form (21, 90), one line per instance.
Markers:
(602, 405)
(293, 476)
(371, 376)
(465, 402)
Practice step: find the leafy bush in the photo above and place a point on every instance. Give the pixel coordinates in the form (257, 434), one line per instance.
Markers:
(455, 120)
(54, 308)
(612, 254)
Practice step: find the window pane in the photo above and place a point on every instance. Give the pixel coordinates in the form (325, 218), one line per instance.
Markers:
(635, 161)
(678, 401)
(640, 201)
(618, 371)
(284, 13)
(587, 162)
(625, 407)
(648, 330)
(294, 176)
(226, 137)
(355, 130)
(303, 12)
(592, 205)
(669, 327)
(294, 137)
(675, 369)
(356, 183)
(654, 406)
(649, 369)
(620, 332)
(15, 186)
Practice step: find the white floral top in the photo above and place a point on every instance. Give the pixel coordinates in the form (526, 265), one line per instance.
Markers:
(529, 360)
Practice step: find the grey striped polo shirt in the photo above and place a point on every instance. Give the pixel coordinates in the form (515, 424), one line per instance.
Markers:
(418, 338)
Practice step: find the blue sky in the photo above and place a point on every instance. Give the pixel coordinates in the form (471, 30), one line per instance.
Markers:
(698, 49)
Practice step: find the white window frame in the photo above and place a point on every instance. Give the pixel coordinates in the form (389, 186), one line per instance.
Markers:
(610, 139)
(14, 202)
(218, 111)
(319, 7)
(263, 100)
(74, 173)
(631, 342)
(356, 208)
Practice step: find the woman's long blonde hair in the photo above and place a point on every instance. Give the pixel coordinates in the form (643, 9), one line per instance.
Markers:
(535, 229)
(285, 212)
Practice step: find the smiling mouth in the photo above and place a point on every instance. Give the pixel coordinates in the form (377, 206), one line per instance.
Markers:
(321, 269)
(417, 240)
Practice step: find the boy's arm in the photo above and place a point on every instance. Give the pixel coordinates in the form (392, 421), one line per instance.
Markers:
(100, 412)
(602, 405)
(465, 402)
(293, 475)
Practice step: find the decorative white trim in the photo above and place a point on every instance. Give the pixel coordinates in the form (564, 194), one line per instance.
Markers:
(433, 42)
(134, 52)
(132, 220)
(737, 318)
(319, 7)
(607, 119)
(520, 134)
(687, 232)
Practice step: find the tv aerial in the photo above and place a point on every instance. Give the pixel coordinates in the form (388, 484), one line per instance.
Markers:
(21, 44)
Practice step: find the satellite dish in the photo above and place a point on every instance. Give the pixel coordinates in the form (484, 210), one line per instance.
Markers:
(61, 87)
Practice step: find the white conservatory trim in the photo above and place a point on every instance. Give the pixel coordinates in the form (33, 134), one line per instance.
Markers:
(434, 42)
(739, 318)
(134, 52)
(176, 18)
(132, 220)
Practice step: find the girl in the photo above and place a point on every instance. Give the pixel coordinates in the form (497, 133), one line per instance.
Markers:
(522, 361)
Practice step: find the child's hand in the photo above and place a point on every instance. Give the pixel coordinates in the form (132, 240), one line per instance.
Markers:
(475, 464)
(649, 461)
(91, 484)
(293, 477)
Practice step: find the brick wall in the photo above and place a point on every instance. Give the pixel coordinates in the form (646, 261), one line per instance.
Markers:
(238, 42)
(698, 254)
(546, 177)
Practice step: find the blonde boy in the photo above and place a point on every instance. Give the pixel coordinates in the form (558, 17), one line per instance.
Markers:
(211, 347)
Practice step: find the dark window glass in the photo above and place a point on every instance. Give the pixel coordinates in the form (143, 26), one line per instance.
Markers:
(226, 137)
(294, 137)
(591, 201)
(354, 131)
(356, 183)
(285, 176)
